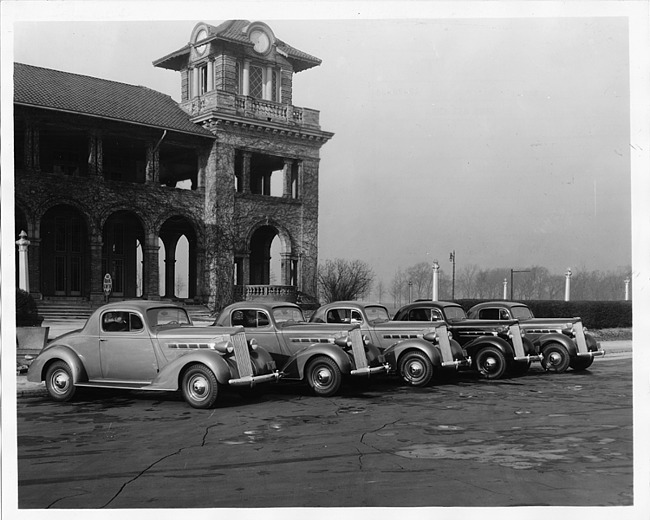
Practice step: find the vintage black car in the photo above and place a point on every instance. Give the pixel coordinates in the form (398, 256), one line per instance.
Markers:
(496, 348)
(564, 342)
(415, 352)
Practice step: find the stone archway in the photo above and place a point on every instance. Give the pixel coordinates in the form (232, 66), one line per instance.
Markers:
(178, 258)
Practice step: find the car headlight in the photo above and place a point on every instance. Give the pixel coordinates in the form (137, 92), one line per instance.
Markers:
(252, 343)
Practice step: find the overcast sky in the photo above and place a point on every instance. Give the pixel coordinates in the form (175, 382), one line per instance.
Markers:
(503, 137)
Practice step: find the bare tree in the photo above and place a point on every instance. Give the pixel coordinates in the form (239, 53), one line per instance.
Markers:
(467, 279)
(420, 275)
(342, 279)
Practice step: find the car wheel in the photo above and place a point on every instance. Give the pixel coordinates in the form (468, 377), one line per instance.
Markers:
(520, 368)
(556, 358)
(199, 386)
(491, 363)
(581, 363)
(324, 376)
(59, 381)
(415, 369)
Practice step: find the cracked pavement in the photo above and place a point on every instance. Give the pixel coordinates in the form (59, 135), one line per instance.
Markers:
(538, 440)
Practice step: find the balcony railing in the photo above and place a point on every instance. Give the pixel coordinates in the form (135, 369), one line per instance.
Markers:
(277, 293)
(246, 106)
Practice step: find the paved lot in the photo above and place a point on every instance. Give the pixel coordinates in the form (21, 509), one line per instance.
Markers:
(539, 440)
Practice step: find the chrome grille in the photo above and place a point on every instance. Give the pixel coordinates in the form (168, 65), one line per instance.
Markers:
(517, 343)
(444, 344)
(358, 349)
(242, 355)
(579, 332)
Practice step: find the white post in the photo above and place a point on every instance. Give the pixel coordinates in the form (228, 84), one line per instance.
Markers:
(567, 285)
(505, 288)
(23, 265)
(436, 268)
(627, 289)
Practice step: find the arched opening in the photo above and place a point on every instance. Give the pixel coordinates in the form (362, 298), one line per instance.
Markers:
(266, 257)
(177, 258)
(64, 252)
(123, 237)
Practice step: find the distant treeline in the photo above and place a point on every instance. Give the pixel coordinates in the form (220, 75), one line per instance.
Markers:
(530, 284)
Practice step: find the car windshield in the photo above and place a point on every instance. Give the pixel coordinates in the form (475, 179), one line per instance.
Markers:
(376, 313)
(455, 313)
(282, 314)
(162, 316)
(521, 313)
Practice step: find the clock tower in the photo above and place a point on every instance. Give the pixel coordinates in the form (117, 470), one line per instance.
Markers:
(260, 177)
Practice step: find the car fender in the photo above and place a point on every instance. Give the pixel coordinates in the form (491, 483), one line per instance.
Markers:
(169, 377)
(38, 367)
(394, 352)
(295, 367)
(555, 337)
(483, 341)
(262, 360)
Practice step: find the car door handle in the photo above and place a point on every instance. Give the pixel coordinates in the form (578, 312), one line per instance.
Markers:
(102, 339)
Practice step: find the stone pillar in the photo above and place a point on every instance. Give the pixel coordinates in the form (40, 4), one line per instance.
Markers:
(153, 164)
(436, 276)
(268, 84)
(287, 172)
(246, 172)
(23, 262)
(150, 285)
(170, 268)
(627, 289)
(245, 77)
(194, 82)
(96, 273)
(505, 288)
(567, 285)
(285, 268)
(210, 75)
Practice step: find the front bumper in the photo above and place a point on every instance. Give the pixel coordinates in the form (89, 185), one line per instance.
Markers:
(530, 358)
(458, 363)
(254, 380)
(592, 353)
(368, 371)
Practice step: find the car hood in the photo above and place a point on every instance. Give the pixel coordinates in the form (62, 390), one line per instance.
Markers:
(407, 326)
(196, 332)
(309, 329)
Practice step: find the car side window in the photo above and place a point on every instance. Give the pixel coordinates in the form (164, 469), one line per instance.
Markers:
(121, 321)
(250, 318)
(490, 314)
(335, 316)
(503, 315)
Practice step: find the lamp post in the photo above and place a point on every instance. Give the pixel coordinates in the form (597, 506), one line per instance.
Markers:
(627, 288)
(452, 259)
(505, 288)
(512, 272)
(410, 291)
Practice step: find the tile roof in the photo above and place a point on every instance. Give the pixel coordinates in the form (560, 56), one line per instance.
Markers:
(86, 95)
(235, 31)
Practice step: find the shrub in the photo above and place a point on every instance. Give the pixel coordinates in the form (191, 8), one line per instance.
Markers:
(26, 310)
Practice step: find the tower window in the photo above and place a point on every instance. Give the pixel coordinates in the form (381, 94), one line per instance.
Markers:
(203, 79)
(256, 82)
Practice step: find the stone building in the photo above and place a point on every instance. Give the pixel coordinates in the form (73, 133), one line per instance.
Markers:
(115, 178)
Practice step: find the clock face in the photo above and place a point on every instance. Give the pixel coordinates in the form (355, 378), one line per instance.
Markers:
(260, 41)
(201, 36)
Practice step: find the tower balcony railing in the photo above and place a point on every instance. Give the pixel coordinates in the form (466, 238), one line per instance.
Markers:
(277, 293)
(249, 107)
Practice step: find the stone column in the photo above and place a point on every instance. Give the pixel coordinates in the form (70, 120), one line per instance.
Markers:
(96, 273)
(567, 285)
(153, 164)
(505, 288)
(285, 269)
(246, 172)
(194, 82)
(436, 276)
(245, 77)
(210, 75)
(150, 285)
(287, 172)
(170, 268)
(23, 262)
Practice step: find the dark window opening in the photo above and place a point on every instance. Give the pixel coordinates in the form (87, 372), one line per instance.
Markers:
(266, 175)
(124, 160)
(178, 167)
(63, 151)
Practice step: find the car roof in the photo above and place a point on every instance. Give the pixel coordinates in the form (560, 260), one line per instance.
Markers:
(259, 305)
(498, 303)
(136, 305)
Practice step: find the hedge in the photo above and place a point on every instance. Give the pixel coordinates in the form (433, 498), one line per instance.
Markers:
(594, 314)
